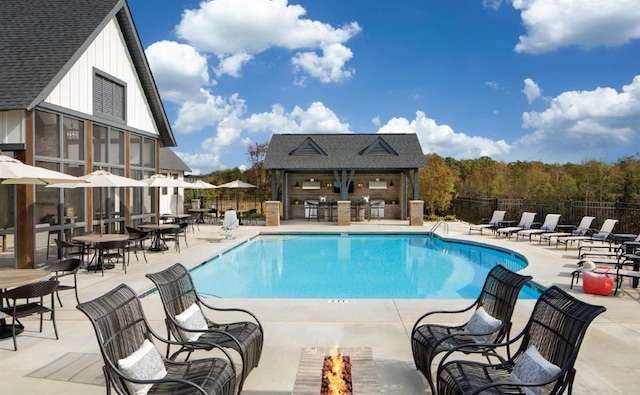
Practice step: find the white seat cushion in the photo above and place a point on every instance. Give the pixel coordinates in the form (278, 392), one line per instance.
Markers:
(144, 364)
(192, 318)
(533, 368)
(481, 322)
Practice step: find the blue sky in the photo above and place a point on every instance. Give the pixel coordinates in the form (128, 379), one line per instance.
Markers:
(550, 80)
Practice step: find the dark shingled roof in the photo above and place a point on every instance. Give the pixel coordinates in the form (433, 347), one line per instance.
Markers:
(344, 151)
(172, 162)
(41, 39)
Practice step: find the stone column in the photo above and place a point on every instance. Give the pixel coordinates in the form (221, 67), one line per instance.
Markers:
(272, 213)
(416, 210)
(344, 212)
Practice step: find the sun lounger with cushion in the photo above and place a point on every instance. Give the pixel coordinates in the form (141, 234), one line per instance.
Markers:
(603, 235)
(492, 223)
(549, 226)
(583, 228)
(526, 221)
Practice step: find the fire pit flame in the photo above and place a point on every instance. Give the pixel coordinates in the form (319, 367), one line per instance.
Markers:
(336, 378)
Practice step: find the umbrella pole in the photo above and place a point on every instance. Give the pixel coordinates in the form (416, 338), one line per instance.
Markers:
(101, 223)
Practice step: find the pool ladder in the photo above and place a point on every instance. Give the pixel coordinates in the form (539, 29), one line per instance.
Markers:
(437, 225)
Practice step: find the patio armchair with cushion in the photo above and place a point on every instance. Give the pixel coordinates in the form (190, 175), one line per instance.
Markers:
(28, 300)
(488, 223)
(131, 361)
(544, 353)
(490, 322)
(182, 303)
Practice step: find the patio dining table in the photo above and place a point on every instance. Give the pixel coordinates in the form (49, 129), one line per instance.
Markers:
(95, 240)
(157, 243)
(199, 212)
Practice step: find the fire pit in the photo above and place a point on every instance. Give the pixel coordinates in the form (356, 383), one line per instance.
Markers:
(357, 371)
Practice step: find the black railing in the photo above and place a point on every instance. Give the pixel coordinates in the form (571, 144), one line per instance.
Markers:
(474, 209)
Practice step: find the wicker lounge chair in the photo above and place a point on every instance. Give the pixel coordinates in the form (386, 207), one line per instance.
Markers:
(552, 337)
(178, 294)
(498, 298)
(31, 298)
(549, 226)
(122, 329)
(493, 223)
(526, 221)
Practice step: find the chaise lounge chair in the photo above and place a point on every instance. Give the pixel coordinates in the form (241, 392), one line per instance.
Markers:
(604, 234)
(485, 223)
(549, 226)
(583, 228)
(526, 221)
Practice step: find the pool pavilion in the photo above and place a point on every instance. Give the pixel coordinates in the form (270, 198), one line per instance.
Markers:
(76, 95)
(377, 173)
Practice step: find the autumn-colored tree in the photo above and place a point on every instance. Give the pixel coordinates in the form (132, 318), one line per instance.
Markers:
(436, 184)
(256, 174)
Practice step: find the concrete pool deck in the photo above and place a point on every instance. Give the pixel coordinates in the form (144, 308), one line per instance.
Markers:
(72, 365)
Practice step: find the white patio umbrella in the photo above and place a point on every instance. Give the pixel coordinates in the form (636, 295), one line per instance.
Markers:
(237, 184)
(203, 185)
(102, 179)
(162, 181)
(12, 171)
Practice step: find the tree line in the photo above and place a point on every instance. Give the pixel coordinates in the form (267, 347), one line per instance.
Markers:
(443, 179)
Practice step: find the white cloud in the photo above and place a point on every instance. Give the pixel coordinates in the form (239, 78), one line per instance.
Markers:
(178, 69)
(228, 28)
(201, 161)
(315, 119)
(492, 85)
(576, 121)
(330, 67)
(443, 140)
(207, 111)
(531, 90)
(376, 121)
(552, 24)
(494, 4)
(232, 64)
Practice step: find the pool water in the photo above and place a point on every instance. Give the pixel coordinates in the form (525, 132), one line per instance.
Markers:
(350, 266)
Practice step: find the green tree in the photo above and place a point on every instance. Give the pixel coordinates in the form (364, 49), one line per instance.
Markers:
(256, 174)
(436, 184)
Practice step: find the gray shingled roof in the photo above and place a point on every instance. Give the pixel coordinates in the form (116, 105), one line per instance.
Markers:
(41, 39)
(171, 162)
(344, 151)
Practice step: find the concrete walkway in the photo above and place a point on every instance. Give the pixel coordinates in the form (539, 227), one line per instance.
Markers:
(72, 365)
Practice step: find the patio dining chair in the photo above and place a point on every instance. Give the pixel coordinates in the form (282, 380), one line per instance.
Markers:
(28, 300)
(490, 322)
(181, 301)
(131, 361)
(543, 361)
(65, 268)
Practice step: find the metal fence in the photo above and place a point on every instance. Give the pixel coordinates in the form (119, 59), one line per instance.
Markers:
(473, 210)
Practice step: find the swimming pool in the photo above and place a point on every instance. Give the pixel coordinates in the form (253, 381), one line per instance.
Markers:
(350, 266)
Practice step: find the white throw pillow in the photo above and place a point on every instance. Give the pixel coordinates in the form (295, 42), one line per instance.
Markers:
(533, 368)
(192, 318)
(144, 364)
(481, 322)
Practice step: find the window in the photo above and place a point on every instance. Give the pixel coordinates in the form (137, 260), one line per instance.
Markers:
(108, 98)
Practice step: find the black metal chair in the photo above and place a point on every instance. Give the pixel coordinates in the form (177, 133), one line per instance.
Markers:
(137, 237)
(65, 268)
(554, 332)
(178, 293)
(174, 234)
(67, 249)
(33, 294)
(498, 298)
(113, 250)
(122, 328)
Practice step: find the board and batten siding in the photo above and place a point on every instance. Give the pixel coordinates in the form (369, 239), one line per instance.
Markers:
(109, 54)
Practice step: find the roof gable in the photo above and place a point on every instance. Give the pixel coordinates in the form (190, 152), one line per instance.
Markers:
(41, 39)
(365, 151)
(379, 147)
(308, 148)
